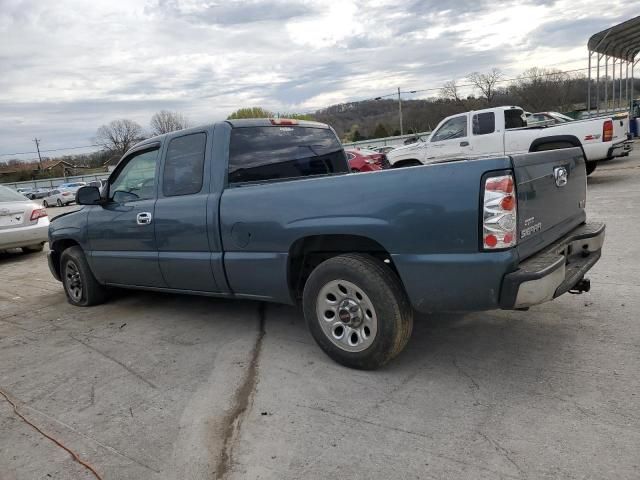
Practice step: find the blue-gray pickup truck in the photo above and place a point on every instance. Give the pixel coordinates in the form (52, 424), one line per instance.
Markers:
(268, 210)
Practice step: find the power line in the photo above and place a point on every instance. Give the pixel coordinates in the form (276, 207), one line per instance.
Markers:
(50, 150)
(379, 97)
(502, 80)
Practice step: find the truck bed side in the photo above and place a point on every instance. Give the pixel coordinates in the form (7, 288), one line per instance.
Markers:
(420, 216)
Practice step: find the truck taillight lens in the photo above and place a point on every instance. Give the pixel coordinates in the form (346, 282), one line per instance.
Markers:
(607, 131)
(499, 213)
(38, 213)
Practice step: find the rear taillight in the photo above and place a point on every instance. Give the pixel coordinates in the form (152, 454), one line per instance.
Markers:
(499, 213)
(66, 194)
(283, 121)
(38, 213)
(607, 131)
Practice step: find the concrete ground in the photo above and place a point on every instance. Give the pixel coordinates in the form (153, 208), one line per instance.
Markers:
(152, 386)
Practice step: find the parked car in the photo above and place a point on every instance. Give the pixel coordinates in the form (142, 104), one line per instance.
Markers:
(72, 186)
(503, 131)
(552, 117)
(384, 150)
(37, 193)
(23, 223)
(362, 162)
(24, 191)
(59, 197)
(266, 210)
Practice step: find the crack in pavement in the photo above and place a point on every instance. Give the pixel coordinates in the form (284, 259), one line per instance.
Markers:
(233, 420)
(505, 453)
(126, 367)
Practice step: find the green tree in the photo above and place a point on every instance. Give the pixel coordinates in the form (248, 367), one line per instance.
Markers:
(356, 136)
(380, 131)
(251, 112)
(297, 116)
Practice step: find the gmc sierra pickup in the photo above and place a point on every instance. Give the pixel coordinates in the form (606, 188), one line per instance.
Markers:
(267, 210)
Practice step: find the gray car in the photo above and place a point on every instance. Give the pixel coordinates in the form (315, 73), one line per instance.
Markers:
(23, 223)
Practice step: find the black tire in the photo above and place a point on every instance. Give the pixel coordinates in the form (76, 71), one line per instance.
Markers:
(406, 163)
(382, 287)
(45, 204)
(74, 267)
(591, 167)
(33, 248)
(59, 202)
(355, 170)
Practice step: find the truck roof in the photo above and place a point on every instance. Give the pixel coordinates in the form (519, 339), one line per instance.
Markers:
(268, 122)
(493, 109)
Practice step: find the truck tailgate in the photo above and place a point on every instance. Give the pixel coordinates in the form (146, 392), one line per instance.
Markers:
(551, 187)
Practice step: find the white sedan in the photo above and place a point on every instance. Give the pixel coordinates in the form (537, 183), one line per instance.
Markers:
(59, 197)
(23, 223)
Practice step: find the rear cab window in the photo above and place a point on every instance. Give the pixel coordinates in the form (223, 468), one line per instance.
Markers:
(270, 153)
(484, 123)
(514, 118)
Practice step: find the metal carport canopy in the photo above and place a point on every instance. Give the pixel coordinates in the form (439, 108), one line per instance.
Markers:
(620, 41)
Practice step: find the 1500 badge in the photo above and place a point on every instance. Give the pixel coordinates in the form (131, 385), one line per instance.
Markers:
(530, 227)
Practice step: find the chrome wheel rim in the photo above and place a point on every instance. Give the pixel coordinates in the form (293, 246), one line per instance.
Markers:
(73, 281)
(346, 316)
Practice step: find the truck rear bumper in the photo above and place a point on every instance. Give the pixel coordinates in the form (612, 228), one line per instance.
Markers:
(555, 270)
(620, 149)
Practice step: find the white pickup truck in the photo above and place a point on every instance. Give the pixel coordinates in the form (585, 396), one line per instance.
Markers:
(504, 131)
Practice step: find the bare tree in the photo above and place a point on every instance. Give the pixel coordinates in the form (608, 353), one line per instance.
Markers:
(119, 135)
(165, 121)
(450, 91)
(486, 83)
(543, 89)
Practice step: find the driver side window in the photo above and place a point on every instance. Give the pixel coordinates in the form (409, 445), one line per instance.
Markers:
(137, 179)
(453, 128)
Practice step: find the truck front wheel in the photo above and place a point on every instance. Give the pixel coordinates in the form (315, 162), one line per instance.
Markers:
(591, 167)
(357, 311)
(80, 286)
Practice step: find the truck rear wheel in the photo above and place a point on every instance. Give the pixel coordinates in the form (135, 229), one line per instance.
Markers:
(357, 311)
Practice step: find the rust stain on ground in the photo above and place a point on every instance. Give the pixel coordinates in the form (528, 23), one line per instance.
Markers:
(233, 420)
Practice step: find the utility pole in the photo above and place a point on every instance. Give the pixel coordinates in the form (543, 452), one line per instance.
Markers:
(38, 148)
(400, 111)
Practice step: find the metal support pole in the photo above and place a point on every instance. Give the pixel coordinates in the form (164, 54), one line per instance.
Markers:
(613, 85)
(589, 85)
(606, 83)
(633, 66)
(598, 86)
(400, 111)
(620, 89)
(626, 88)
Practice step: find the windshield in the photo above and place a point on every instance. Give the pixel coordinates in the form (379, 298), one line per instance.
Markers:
(8, 195)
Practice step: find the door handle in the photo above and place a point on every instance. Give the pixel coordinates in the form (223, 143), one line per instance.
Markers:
(464, 144)
(143, 218)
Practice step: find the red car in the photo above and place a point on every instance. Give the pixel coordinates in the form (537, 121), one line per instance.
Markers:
(365, 160)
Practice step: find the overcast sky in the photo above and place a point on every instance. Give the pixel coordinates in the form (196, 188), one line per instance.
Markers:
(69, 66)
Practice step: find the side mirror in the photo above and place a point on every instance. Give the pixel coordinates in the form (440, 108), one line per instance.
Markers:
(88, 196)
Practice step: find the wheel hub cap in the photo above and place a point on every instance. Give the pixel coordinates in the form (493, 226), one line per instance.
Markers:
(350, 312)
(346, 315)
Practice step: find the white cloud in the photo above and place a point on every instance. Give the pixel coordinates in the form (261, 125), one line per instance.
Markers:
(69, 66)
